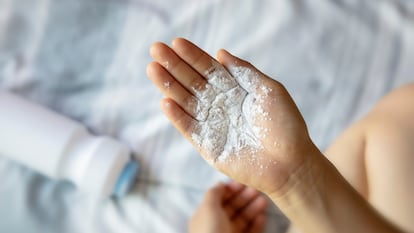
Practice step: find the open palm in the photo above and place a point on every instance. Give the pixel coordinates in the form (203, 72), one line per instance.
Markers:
(241, 121)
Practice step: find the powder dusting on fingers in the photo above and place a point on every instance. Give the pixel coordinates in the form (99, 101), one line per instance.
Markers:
(167, 85)
(166, 64)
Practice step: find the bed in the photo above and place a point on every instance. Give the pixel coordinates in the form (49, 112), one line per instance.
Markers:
(86, 59)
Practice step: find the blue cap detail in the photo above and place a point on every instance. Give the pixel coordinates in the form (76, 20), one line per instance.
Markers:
(126, 179)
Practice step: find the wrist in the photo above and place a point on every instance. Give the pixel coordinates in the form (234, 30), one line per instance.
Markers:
(303, 177)
(317, 198)
(306, 184)
(303, 197)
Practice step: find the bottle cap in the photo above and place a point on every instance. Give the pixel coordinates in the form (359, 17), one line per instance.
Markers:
(126, 180)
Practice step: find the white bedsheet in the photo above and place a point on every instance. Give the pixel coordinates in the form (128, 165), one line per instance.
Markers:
(86, 59)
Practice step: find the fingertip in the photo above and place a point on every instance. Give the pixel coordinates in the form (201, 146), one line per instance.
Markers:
(235, 186)
(150, 68)
(233, 189)
(228, 59)
(215, 193)
(218, 187)
(166, 104)
(154, 47)
(252, 190)
(223, 56)
(221, 183)
(177, 41)
(159, 51)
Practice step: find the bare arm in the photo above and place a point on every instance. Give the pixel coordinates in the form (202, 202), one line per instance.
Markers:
(246, 125)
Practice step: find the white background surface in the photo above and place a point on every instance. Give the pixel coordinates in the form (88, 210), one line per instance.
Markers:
(86, 59)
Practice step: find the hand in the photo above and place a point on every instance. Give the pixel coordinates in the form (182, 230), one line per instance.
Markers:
(230, 208)
(264, 146)
(247, 125)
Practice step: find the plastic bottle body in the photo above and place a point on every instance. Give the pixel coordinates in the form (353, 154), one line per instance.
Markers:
(59, 147)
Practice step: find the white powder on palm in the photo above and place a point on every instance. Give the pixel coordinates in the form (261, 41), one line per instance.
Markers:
(226, 110)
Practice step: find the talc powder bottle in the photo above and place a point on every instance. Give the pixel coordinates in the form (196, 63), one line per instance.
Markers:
(61, 148)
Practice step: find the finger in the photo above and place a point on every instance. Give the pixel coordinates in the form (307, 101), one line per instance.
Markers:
(179, 118)
(171, 88)
(193, 55)
(179, 69)
(214, 195)
(247, 225)
(241, 200)
(255, 207)
(244, 72)
(240, 224)
(257, 225)
(204, 64)
(244, 217)
(235, 186)
(232, 188)
(228, 60)
(186, 125)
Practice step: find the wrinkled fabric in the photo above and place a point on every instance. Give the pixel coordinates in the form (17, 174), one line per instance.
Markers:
(86, 59)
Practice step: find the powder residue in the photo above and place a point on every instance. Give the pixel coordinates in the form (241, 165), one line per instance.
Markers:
(226, 110)
(167, 85)
(166, 64)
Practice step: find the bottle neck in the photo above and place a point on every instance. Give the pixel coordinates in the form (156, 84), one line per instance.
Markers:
(94, 164)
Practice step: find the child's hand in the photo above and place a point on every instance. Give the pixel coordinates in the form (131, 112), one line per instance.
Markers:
(241, 121)
(230, 208)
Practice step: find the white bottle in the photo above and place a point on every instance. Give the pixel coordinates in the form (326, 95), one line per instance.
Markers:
(63, 149)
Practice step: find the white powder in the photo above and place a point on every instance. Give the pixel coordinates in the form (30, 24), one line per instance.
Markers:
(166, 64)
(224, 109)
(167, 85)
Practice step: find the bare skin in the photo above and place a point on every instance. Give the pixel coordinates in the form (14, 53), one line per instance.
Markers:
(186, 67)
(297, 177)
(230, 207)
(375, 155)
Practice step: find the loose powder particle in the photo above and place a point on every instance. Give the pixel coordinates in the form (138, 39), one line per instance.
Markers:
(227, 109)
(167, 85)
(166, 64)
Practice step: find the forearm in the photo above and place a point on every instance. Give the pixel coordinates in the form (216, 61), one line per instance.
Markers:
(319, 199)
